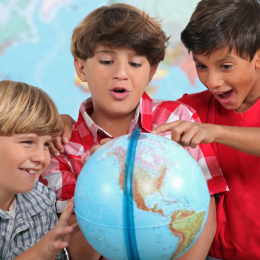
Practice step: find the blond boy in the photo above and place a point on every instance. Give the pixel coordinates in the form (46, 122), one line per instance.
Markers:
(28, 122)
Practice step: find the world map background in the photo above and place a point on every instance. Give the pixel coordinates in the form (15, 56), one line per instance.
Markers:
(35, 47)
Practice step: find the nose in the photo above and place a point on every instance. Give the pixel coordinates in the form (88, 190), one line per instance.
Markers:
(214, 80)
(39, 154)
(120, 71)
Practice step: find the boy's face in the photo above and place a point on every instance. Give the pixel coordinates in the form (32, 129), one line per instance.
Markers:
(117, 78)
(23, 157)
(232, 80)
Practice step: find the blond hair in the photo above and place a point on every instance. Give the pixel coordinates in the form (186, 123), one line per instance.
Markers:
(27, 109)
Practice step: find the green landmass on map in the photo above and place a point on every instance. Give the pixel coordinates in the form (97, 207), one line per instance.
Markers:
(16, 26)
(23, 3)
(4, 2)
(186, 225)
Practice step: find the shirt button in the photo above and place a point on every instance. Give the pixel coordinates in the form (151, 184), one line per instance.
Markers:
(3, 233)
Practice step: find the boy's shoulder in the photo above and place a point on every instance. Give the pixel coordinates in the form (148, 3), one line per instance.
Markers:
(155, 112)
(197, 100)
(43, 191)
(38, 199)
(203, 102)
(165, 110)
(165, 106)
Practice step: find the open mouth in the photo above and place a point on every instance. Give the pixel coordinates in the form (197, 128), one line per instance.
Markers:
(119, 93)
(117, 90)
(225, 95)
(30, 171)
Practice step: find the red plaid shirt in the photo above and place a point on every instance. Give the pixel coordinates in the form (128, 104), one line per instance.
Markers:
(61, 175)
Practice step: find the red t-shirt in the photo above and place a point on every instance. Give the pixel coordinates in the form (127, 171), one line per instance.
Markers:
(238, 224)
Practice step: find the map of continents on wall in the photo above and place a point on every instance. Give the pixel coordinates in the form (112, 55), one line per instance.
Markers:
(35, 47)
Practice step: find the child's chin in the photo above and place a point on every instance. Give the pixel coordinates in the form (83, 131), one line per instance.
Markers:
(26, 188)
(237, 108)
(229, 107)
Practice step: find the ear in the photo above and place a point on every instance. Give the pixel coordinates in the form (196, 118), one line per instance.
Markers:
(79, 65)
(257, 60)
(152, 72)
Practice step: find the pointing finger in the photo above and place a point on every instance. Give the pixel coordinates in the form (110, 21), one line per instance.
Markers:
(166, 127)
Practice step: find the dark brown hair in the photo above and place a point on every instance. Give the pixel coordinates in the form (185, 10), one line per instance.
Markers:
(219, 23)
(119, 25)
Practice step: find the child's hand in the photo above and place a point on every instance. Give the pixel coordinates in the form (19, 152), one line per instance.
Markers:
(57, 147)
(55, 240)
(94, 148)
(187, 133)
(59, 237)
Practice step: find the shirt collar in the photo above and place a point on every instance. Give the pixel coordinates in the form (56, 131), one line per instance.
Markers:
(5, 214)
(86, 109)
(146, 112)
(143, 111)
(33, 202)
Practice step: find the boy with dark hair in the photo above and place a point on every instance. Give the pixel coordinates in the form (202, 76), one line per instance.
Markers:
(28, 122)
(224, 39)
(117, 50)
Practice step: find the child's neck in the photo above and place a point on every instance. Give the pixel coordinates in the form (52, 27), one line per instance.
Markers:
(115, 126)
(251, 99)
(5, 201)
(247, 104)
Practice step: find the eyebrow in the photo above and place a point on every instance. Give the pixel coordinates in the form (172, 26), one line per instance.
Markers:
(24, 136)
(105, 51)
(112, 52)
(221, 60)
(226, 58)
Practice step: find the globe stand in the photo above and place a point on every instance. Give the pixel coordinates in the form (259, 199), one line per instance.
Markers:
(129, 230)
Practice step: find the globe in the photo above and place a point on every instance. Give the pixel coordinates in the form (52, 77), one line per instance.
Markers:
(169, 200)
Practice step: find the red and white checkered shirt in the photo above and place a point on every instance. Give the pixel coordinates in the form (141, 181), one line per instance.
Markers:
(61, 174)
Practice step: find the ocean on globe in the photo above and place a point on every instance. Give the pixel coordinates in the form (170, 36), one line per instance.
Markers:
(170, 199)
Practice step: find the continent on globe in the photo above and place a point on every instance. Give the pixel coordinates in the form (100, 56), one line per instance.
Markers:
(185, 230)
